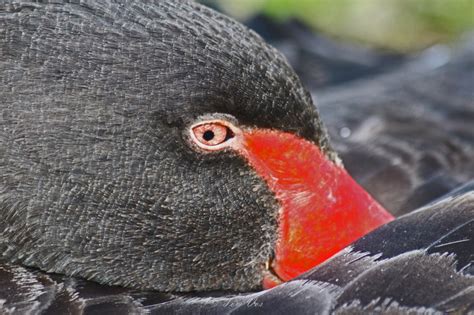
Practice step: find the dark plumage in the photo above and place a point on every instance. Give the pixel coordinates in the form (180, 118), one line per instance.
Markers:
(419, 263)
(407, 136)
(98, 180)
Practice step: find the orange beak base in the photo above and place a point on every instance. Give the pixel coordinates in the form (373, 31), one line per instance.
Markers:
(322, 209)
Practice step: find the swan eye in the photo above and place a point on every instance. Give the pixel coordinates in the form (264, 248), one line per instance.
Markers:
(211, 135)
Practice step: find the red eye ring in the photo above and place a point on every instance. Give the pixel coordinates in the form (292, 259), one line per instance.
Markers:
(213, 135)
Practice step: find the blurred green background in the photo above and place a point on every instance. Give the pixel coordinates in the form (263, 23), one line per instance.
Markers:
(398, 25)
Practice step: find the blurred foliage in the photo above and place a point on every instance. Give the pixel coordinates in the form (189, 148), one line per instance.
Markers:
(401, 25)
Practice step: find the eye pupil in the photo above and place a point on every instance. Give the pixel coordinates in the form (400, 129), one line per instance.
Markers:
(208, 135)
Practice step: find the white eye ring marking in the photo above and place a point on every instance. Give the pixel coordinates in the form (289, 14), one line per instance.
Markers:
(215, 135)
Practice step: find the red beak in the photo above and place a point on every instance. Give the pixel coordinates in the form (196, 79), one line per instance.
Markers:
(322, 209)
